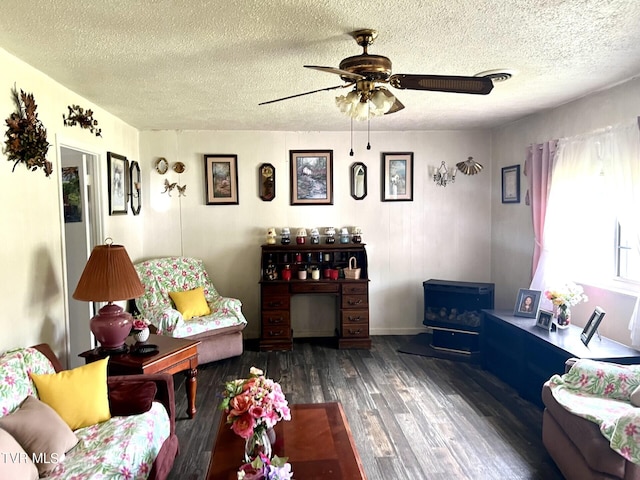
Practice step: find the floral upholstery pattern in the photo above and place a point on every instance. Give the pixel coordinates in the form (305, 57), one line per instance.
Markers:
(122, 447)
(600, 392)
(170, 274)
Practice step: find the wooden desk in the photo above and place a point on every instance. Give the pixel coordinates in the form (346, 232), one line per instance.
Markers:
(174, 355)
(526, 356)
(317, 441)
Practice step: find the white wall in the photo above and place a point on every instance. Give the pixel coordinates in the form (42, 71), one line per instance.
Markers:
(444, 233)
(512, 233)
(31, 277)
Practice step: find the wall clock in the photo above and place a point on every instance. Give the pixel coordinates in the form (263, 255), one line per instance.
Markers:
(267, 182)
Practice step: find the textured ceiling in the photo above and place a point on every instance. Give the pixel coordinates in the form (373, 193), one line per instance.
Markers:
(206, 65)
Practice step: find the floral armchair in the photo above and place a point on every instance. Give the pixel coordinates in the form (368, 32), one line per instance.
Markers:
(219, 331)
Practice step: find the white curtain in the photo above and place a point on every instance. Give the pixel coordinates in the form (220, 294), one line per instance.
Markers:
(595, 181)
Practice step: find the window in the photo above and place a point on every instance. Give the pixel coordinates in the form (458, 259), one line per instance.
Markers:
(627, 256)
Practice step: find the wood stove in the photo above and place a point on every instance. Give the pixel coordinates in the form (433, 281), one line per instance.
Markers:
(452, 311)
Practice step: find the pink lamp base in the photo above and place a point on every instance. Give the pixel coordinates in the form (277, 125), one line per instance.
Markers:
(111, 326)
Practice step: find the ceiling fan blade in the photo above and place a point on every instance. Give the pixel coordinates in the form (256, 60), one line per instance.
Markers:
(307, 93)
(443, 83)
(337, 71)
(396, 107)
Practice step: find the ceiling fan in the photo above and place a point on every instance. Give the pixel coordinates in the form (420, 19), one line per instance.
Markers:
(368, 73)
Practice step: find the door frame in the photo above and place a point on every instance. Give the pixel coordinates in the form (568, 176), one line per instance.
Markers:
(97, 219)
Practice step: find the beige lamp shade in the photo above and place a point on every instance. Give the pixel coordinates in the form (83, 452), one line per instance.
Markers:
(109, 276)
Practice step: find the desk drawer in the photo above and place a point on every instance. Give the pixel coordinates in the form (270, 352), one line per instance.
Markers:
(276, 318)
(353, 317)
(312, 286)
(275, 302)
(273, 333)
(359, 288)
(355, 301)
(359, 330)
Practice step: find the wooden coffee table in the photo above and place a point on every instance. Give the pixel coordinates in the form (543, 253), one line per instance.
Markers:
(174, 355)
(317, 441)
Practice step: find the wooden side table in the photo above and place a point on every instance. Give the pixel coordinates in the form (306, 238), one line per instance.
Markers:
(174, 355)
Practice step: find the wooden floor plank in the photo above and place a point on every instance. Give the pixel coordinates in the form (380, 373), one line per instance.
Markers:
(411, 417)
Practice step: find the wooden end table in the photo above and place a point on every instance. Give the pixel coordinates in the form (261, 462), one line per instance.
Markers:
(174, 355)
(317, 441)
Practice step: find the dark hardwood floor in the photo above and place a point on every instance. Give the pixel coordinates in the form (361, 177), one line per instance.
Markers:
(412, 417)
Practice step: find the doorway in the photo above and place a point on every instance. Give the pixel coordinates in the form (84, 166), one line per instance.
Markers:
(82, 231)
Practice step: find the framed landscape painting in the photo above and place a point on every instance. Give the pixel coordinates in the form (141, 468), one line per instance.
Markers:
(311, 177)
(221, 179)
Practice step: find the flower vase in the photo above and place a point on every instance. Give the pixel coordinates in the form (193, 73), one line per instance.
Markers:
(257, 444)
(141, 335)
(564, 316)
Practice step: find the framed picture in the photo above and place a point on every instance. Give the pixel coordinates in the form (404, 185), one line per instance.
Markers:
(135, 183)
(527, 303)
(544, 320)
(311, 177)
(358, 180)
(511, 184)
(397, 177)
(118, 167)
(267, 182)
(221, 179)
(592, 326)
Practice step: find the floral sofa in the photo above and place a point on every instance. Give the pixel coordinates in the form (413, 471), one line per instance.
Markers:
(138, 443)
(591, 421)
(219, 332)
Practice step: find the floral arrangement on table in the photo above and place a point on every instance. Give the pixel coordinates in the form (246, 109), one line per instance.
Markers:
(140, 329)
(253, 406)
(564, 297)
(264, 469)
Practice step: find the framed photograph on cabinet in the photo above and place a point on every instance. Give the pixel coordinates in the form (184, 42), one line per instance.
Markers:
(358, 180)
(511, 184)
(592, 326)
(397, 177)
(118, 168)
(527, 303)
(221, 179)
(135, 183)
(311, 177)
(545, 320)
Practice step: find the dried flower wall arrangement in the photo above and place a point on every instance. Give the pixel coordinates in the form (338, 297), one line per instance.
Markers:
(77, 116)
(26, 136)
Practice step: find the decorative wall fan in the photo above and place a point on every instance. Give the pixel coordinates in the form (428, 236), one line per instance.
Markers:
(368, 74)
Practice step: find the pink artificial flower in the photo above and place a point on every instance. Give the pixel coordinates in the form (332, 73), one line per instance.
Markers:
(243, 425)
(240, 404)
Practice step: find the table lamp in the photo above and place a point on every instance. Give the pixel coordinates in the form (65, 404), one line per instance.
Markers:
(109, 276)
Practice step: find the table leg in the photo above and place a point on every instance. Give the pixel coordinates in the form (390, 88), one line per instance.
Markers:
(191, 385)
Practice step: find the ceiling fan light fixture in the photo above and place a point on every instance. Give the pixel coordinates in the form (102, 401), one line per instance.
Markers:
(382, 100)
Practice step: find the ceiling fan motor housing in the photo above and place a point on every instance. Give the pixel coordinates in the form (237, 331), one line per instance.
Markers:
(373, 67)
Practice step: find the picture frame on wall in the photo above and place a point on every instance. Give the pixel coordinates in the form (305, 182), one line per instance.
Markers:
(592, 326)
(545, 320)
(527, 303)
(397, 177)
(118, 184)
(511, 184)
(221, 179)
(311, 177)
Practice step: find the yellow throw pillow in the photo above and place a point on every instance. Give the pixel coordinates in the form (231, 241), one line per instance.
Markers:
(191, 303)
(80, 396)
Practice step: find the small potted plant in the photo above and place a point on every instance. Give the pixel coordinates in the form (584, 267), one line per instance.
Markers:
(140, 329)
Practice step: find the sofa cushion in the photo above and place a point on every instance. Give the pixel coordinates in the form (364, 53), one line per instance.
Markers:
(635, 397)
(131, 398)
(40, 432)
(16, 463)
(191, 303)
(79, 396)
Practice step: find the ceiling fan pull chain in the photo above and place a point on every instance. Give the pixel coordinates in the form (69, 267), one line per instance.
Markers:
(351, 152)
(368, 133)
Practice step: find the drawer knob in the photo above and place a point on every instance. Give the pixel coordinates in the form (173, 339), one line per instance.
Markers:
(355, 302)
(354, 332)
(275, 304)
(276, 320)
(354, 319)
(275, 334)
